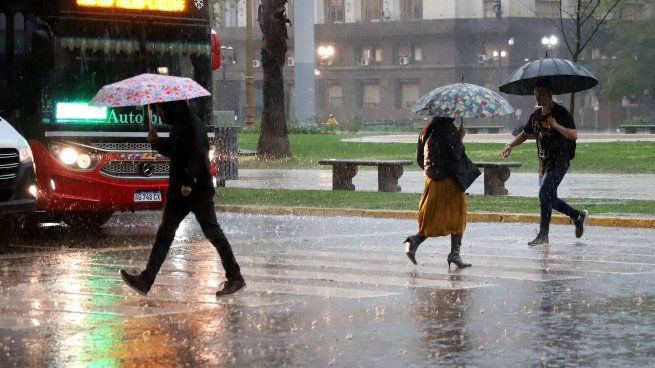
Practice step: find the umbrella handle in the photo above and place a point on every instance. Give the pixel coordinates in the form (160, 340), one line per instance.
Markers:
(149, 118)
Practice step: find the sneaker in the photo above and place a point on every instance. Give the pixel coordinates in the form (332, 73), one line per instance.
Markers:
(579, 223)
(230, 287)
(136, 281)
(539, 240)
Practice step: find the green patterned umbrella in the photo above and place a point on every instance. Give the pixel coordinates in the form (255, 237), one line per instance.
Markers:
(462, 100)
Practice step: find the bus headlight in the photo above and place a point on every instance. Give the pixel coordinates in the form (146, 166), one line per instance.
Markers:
(68, 156)
(73, 158)
(84, 161)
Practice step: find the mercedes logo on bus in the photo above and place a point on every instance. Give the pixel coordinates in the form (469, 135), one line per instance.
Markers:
(146, 169)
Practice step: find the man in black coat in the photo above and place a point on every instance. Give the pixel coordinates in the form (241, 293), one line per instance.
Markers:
(190, 189)
(555, 132)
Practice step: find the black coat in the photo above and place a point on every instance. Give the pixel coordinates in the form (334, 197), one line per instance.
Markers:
(188, 149)
(441, 154)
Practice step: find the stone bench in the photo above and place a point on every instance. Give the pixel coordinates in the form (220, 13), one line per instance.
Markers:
(495, 176)
(632, 129)
(344, 170)
(492, 129)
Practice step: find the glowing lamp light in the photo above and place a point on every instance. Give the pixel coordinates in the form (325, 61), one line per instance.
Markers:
(154, 5)
(79, 112)
(68, 156)
(32, 190)
(84, 161)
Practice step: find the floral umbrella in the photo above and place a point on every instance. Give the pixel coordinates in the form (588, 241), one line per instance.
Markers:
(462, 100)
(147, 89)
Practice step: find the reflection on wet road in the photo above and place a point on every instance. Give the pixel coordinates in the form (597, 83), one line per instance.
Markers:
(327, 291)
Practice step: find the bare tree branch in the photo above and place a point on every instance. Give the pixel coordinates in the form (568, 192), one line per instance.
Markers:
(599, 23)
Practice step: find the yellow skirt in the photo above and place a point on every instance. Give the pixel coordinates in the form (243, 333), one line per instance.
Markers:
(442, 209)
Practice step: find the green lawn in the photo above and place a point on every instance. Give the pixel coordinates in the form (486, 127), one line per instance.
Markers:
(409, 201)
(308, 149)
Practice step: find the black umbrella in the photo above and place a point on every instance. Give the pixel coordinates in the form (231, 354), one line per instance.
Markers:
(564, 76)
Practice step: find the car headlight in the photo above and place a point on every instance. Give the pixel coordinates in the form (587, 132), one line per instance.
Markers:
(25, 154)
(74, 158)
(212, 154)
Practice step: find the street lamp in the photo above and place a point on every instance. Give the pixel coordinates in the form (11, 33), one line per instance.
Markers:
(325, 54)
(549, 42)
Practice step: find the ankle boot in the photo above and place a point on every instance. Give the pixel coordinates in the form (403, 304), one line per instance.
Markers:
(411, 245)
(454, 257)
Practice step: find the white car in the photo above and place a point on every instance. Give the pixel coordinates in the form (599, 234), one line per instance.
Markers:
(17, 175)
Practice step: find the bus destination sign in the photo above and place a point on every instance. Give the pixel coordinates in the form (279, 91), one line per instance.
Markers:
(152, 5)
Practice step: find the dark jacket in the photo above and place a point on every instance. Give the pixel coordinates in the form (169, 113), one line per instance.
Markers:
(441, 154)
(188, 149)
(436, 149)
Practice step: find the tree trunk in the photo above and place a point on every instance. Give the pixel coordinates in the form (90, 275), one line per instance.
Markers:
(273, 138)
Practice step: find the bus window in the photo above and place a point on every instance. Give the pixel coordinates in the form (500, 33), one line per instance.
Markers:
(85, 65)
(19, 34)
(3, 34)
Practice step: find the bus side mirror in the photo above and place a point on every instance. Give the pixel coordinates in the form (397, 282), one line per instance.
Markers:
(42, 53)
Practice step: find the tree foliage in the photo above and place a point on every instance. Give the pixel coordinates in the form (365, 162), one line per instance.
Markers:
(627, 63)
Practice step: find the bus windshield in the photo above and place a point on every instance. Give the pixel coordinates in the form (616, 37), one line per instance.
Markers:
(85, 64)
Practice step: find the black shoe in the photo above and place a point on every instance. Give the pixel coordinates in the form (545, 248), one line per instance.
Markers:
(230, 287)
(579, 223)
(137, 282)
(539, 240)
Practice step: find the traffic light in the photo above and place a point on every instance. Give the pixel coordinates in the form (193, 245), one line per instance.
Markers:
(497, 8)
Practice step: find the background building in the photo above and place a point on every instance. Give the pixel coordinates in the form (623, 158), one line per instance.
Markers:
(376, 57)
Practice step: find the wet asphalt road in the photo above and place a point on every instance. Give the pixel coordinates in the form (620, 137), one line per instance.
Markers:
(328, 292)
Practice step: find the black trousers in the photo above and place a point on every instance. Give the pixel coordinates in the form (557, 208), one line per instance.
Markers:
(175, 210)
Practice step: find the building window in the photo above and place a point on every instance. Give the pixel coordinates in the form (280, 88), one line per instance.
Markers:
(371, 95)
(412, 9)
(370, 55)
(407, 53)
(409, 94)
(335, 97)
(547, 8)
(334, 11)
(373, 10)
(368, 94)
(418, 54)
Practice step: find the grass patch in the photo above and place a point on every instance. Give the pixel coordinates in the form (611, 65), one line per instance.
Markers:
(597, 157)
(409, 201)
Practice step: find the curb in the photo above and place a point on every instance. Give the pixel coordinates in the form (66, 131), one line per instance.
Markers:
(632, 222)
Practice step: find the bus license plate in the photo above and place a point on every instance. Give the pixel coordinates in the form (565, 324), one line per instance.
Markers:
(147, 196)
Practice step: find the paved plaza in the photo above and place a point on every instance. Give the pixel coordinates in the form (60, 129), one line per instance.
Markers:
(328, 292)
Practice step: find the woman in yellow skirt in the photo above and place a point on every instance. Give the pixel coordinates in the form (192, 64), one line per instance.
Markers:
(442, 208)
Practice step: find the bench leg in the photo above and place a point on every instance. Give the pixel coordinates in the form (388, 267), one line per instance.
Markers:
(342, 177)
(494, 180)
(388, 178)
(652, 130)
(630, 130)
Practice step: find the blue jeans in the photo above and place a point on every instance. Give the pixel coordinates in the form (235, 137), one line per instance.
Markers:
(548, 183)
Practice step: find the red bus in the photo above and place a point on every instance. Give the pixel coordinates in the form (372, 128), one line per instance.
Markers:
(55, 55)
